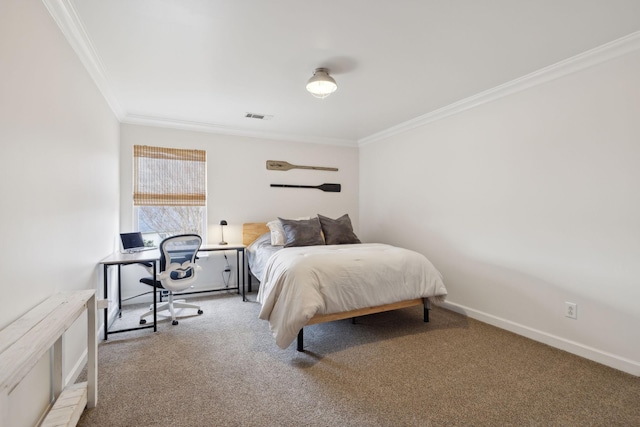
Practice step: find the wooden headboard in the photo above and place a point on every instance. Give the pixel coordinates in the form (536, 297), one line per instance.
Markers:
(252, 230)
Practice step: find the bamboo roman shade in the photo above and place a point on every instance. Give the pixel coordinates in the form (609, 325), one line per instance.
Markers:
(169, 176)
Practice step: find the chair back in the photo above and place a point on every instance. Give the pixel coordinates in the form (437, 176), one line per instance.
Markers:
(178, 261)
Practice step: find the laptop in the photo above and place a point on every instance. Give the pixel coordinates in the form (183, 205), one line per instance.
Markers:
(132, 242)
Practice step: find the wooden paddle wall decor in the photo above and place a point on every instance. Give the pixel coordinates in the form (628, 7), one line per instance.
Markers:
(279, 165)
(331, 188)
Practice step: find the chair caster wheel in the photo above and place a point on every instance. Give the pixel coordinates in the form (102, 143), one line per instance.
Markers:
(200, 311)
(143, 321)
(175, 322)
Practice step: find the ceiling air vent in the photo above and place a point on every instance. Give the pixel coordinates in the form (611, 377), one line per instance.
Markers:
(257, 116)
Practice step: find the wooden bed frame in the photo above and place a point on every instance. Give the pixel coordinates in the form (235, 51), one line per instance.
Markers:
(251, 231)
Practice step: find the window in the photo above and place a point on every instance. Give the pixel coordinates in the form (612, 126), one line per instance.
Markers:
(169, 191)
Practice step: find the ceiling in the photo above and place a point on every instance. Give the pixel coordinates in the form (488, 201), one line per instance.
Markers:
(204, 64)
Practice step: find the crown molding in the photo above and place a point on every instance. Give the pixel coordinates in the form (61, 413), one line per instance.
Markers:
(224, 130)
(598, 55)
(67, 19)
(71, 26)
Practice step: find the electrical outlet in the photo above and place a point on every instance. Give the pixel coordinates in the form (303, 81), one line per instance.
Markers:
(571, 310)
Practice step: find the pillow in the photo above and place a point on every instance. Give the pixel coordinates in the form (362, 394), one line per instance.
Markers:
(277, 233)
(338, 231)
(304, 232)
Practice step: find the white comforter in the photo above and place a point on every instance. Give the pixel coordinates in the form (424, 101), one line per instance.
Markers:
(301, 282)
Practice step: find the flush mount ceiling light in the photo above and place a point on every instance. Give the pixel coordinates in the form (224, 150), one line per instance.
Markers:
(321, 84)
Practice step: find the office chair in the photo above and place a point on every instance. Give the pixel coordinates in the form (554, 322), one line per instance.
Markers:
(177, 272)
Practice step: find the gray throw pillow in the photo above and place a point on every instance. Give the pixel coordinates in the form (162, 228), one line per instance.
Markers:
(303, 232)
(338, 231)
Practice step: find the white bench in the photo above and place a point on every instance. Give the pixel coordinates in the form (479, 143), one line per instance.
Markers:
(24, 342)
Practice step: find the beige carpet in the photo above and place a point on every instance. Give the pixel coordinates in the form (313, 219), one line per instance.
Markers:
(389, 369)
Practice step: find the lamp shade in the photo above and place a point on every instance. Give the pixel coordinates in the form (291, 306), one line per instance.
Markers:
(321, 84)
(223, 222)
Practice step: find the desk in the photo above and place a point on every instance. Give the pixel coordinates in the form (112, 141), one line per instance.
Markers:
(151, 257)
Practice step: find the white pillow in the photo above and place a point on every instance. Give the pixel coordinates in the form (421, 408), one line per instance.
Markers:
(277, 232)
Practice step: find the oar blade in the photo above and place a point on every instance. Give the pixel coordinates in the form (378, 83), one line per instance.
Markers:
(277, 165)
(331, 188)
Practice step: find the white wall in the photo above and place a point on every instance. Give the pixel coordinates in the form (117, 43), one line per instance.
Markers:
(238, 186)
(58, 181)
(525, 203)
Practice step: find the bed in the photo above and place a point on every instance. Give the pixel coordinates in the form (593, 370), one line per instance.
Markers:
(307, 285)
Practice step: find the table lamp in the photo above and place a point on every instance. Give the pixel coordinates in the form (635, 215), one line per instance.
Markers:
(222, 224)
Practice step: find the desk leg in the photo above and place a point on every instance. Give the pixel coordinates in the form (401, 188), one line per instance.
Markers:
(120, 291)
(238, 271)
(244, 254)
(155, 300)
(106, 296)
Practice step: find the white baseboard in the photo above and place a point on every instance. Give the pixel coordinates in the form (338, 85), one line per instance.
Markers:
(74, 372)
(603, 357)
